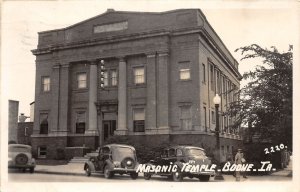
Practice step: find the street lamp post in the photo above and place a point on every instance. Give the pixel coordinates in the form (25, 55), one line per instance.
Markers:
(217, 101)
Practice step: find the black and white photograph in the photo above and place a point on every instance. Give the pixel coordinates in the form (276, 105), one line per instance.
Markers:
(149, 95)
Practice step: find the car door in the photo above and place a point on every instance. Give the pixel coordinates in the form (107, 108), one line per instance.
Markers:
(172, 155)
(180, 155)
(103, 155)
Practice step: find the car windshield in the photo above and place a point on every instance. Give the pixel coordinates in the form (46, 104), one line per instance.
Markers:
(119, 153)
(19, 149)
(196, 152)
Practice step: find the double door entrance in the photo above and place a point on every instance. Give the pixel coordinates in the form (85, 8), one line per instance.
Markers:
(109, 126)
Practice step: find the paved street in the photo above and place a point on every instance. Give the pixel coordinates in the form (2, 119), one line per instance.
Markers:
(40, 177)
(73, 172)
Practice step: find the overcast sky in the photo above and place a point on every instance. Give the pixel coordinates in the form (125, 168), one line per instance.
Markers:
(269, 23)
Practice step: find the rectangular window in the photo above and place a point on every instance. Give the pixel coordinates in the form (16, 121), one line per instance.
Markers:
(186, 118)
(225, 124)
(203, 73)
(81, 81)
(212, 78)
(228, 92)
(139, 75)
(139, 120)
(223, 150)
(42, 152)
(205, 118)
(114, 80)
(44, 123)
(184, 74)
(46, 84)
(105, 78)
(80, 122)
(228, 150)
(223, 85)
(213, 117)
(26, 131)
(218, 83)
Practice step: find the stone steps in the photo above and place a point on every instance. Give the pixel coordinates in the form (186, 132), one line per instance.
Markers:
(85, 158)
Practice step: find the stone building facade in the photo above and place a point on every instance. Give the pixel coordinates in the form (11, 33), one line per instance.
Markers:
(161, 72)
(13, 110)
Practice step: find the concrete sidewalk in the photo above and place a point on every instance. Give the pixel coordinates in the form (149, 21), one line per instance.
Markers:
(286, 172)
(68, 169)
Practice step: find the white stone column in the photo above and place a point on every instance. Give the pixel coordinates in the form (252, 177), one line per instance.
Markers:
(92, 114)
(122, 99)
(163, 92)
(151, 115)
(64, 99)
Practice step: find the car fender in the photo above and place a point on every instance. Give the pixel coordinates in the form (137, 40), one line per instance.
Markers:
(109, 163)
(91, 165)
(179, 165)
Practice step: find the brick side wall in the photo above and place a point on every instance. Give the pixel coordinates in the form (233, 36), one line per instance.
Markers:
(25, 130)
(54, 146)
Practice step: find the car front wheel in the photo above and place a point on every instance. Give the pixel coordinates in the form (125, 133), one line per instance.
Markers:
(134, 175)
(177, 176)
(107, 173)
(88, 171)
(147, 176)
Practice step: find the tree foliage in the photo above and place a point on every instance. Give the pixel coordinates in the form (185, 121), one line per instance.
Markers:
(266, 101)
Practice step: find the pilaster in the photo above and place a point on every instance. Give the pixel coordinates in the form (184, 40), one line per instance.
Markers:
(122, 128)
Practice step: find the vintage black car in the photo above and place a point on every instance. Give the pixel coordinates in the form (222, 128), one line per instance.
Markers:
(112, 159)
(188, 156)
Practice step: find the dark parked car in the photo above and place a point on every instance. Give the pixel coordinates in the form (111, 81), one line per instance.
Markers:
(187, 156)
(20, 156)
(112, 159)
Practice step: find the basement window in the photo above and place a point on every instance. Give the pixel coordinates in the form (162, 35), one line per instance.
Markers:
(42, 152)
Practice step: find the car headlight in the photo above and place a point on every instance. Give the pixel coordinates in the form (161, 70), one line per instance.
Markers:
(117, 163)
(129, 163)
(10, 159)
(32, 161)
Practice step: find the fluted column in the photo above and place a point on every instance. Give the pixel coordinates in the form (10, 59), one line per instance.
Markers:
(92, 120)
(122, 99)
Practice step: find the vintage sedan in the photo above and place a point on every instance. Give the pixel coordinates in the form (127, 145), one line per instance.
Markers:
(113, 159)
(20, 157)
(189, 161)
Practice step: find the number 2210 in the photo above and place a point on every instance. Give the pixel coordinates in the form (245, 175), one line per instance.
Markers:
(281, 146)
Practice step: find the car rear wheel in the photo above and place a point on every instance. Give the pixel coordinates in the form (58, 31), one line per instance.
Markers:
(147, 176)
(204, 178)
(88, 171)
(134, 175)
(107, 173)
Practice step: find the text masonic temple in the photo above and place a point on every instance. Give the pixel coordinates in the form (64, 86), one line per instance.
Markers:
(148, 76)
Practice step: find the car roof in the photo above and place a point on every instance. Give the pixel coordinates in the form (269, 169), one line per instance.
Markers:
(19, 145)
(118, 145)
(185, 147)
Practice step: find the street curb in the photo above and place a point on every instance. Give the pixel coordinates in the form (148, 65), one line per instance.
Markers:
(59, 173)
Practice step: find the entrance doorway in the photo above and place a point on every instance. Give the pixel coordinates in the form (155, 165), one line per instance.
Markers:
(109, 126)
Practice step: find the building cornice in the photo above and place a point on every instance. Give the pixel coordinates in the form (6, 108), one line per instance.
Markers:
(99, 41)
(135, 36)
